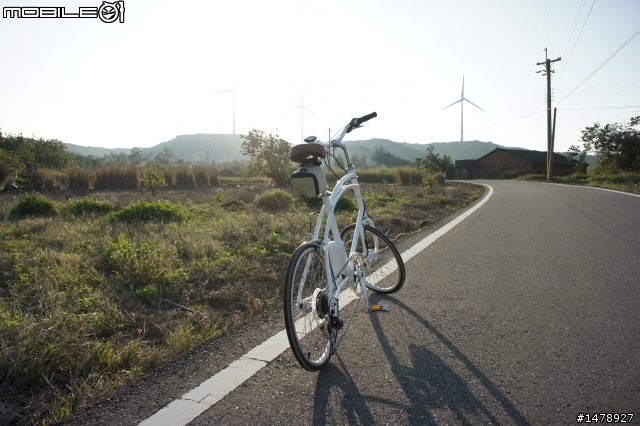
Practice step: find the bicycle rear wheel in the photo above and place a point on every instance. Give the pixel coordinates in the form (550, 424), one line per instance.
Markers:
(306, 307)
(383, 264)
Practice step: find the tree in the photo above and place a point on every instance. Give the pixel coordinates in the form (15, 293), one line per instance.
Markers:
(359, 163)
(617, 145)
(574, 150)
(268, 154)
(10, 165)
(136, 157)
(37, 153)
(152, 180)
(434, 164)
(165, 157)
(383, 157)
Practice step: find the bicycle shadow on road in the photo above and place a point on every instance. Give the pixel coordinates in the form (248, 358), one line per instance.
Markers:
(431, 384)
(336, 388)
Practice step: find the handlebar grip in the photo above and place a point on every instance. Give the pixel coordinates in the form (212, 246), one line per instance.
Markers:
(356, 122)
(367, 117)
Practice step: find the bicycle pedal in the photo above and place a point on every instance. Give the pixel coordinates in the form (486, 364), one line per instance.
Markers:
(376, 308)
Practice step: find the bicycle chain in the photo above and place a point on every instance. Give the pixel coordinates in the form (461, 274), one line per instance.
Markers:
(345, 328)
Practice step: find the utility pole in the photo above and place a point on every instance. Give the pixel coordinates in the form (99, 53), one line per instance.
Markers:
(547, 72)
(329, 140)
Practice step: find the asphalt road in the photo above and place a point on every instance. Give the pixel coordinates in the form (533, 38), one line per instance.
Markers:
(527, 312)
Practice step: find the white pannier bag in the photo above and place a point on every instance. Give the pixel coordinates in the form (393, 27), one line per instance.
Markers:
(308, 182)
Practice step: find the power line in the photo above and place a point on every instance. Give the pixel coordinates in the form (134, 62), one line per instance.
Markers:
(543, 19)
(579, 115)
(613, 107)
(574, 44)
(552, 19)
(573, 27)
(613, 84)
(604, 63)
(584, 91)
(604, 97)
(513, 119)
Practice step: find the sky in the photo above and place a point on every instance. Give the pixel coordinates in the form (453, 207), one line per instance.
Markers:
(150, 78)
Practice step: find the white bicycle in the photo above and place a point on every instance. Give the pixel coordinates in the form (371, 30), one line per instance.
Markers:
(360, 257)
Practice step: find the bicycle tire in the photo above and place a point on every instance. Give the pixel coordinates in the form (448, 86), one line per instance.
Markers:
(384, 267)
(306, 307)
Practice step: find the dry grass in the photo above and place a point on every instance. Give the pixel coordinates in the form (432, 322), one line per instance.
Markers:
(84, 296)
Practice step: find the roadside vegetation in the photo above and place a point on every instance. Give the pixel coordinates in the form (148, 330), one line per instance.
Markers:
(628, 182)
(116, 265)
(618, 148)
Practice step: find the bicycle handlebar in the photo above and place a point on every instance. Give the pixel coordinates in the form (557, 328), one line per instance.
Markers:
(356, 122)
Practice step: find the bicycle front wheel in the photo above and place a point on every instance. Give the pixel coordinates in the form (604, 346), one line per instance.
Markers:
(383, 264)
(306, 307)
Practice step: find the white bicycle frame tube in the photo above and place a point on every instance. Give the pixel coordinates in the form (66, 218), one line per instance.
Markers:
(330, 199)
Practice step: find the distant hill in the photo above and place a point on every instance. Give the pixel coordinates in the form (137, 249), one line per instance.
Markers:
(220, 147)
(95, 151)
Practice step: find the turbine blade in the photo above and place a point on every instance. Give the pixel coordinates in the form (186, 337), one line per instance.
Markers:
(241, 98)
(294, 109)
(309, 110)
(462, 86)
(473, 104)
(459, 100)
(224, 91)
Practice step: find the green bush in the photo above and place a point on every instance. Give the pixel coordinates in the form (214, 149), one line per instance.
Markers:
(275, 199)
(152, 180)
(34, 205)
(509, 174)
(312, 203)
(162, 211)
(440, 177)
(87, 206)
(345, 203)
(145, 268)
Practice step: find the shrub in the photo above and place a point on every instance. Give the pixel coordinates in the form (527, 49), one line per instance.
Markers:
(346, 203)
(152, 180)
(163, 211)
(184, 177)
(145, 268)
(49, 179)
(168, 177)
(376, 176)
(409, 176)
(430, 181)
(34, 205)
(275, 199)
(117, 177)
(87, 206)
(440, 178)
(509, 174)
(78, 179)
(403, 175)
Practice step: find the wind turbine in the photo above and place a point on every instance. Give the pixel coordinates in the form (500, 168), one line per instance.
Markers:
(462, 98)
(234, 93)
(302, 107)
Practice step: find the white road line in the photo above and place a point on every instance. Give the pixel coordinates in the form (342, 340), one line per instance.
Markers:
(199, 399)
(601, 189)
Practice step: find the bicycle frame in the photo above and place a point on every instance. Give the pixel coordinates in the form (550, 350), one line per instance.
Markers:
(330, 199)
